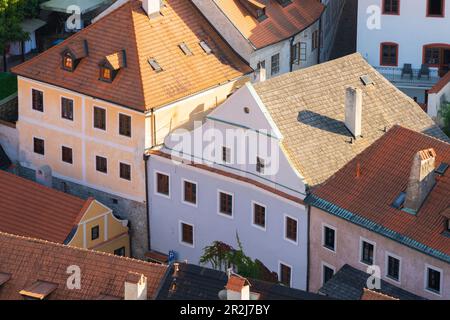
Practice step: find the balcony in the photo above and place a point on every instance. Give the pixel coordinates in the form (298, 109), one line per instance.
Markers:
(410, 80)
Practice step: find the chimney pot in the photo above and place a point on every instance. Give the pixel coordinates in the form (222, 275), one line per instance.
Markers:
(152, 7)
(238, 288)
(353, 111)
(135, 286)
(421, 180)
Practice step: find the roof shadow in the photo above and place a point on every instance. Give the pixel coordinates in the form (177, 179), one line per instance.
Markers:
(322, 122)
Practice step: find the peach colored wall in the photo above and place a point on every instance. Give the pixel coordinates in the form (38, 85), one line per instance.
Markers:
(412, 273)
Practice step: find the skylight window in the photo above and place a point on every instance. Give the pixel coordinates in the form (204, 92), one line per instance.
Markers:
(399, 201)
(442, 168)
(205, 47)
(183, 46)
(155, 65)
(366, 80)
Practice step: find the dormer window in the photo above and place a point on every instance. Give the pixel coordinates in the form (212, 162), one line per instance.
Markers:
(106, 74)
(257, 9)
(111, 66)
(68, 62)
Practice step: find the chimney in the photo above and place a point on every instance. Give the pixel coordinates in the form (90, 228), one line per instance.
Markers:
(135, 286)
(238, 288)
(152, 7)
(260, 72)
(353, 110)
(421, 179)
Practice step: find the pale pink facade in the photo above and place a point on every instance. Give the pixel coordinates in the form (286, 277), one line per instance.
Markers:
(348, 237)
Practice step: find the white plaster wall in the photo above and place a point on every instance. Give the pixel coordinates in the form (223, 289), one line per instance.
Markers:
(269, 246)
(411, 30)
(435, 101)
(9, 139)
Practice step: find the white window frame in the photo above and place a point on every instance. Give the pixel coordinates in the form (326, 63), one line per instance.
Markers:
(195, 205)
(106, 119)
(73, 109)
(284, 229)
(279, 271)
(131, 171)
(253, 216)
(221, 155)
(107, 164)
(264, 163)
(386, 266)
(219, 191)
(31, 100)
(361, 239)
(322, 265)
(180, 234)
(428, 290)
(325, 225)
(155, 183)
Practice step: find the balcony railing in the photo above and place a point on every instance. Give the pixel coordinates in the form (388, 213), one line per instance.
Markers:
(398, 77)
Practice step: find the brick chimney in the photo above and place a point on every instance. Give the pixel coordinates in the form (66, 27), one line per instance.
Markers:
(353, 111)
(135, 286)
(238, 288)
(421, 179)
(152, 7)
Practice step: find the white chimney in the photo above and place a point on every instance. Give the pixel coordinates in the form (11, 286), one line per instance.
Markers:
(238, 288)
(260, 72)
(152, 7)
(135, 286)
(421, 179)
(353, 111)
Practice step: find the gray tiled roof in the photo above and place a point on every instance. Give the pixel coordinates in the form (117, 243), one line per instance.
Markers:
(193, 282)
(349, 283)
(308, 108)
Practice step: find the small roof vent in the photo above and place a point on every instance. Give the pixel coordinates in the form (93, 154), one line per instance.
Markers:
(183, 46)
(366, 80)
(205, 47)
(155, 65)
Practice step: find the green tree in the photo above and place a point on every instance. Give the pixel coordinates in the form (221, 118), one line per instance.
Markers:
(12, 14)
(444, 113)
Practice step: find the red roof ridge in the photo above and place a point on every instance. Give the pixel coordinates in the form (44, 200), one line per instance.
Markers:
(441, 84)
(98, 253)
(83, 210)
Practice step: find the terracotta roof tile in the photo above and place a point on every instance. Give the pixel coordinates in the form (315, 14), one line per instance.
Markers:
(281, 22)
(308, 107)
(137, 85)
(385, 170)
(236, 283)
(373, 295)
(30, 209)
(441, 84)
(31, 261)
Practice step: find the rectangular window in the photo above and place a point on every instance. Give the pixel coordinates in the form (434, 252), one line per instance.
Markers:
(432, 56)
(393, 268)
(124, 125)
(435, 8)
(367, 251)
(125, 171)
(226, 154)
(433, 280)
(190, 192)
(260, 165)
(99, 118)
(101, 164)
(187, 234)
(391, 7)
(67, 155)
(329, 238)
(303, 52)
(285, 275)
(389, 54)
(121, 252)
(291, 229)
(226, 204)
(95, 233)
(315, 40)
(37, 100)
(328, 273)
(162, 184)
(259, 215)
(67, 109)
(275, 64)
(39, 146)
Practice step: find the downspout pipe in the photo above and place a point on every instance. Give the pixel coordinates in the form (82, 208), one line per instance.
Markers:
(146, 163)
(291, 62)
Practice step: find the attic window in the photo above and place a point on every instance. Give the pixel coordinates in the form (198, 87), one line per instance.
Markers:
(39, 290)
(366, 80)
(257, 9)
(4, 278)
(68, 62)
(106, 74)
(155, 65)
(205, 47)
(284, 3)
(442, 168)
(183, 46)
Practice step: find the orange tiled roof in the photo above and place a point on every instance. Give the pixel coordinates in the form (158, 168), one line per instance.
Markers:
(32, 210)
(137, 85)
(384, 172)
(441, 84)
(30, 261)
(373, 295)
(281, 22)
